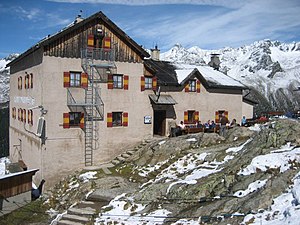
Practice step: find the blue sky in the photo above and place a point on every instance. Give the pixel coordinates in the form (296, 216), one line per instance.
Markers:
(209, 24)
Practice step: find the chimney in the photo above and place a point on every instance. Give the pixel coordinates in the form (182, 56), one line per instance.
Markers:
(214, 61)
(155, 53)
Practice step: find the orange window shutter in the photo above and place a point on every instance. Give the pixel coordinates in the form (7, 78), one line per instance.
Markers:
(110, 81)
(154, 83)
(21, 82)
(66, 79)
(217, 119)
(25, 82)
(226, 114)
(24, 115)
(31, 117)
(90, 42)
(31, 80)
(187, 88)
(196, 116)
(82, 121)
(198, 86)
(186, 117)
(109, 120)
(66, 121)
(84, 80)
(107, 43)
(126, 81)
(125, 119)
(142, 83)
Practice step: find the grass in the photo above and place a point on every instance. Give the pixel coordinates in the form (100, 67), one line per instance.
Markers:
(33, 212)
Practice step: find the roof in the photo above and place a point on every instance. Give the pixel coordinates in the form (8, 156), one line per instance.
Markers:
(214, 78)
(97, 16)
(163, 70)
(33, 171)
(162, 99)
(178, 74)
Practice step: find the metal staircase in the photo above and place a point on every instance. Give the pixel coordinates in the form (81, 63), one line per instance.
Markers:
(96, 62)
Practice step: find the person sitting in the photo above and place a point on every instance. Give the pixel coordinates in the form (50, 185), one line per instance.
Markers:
(244, 121)
(233, 123)
(212, 125)
(199, 124)
(207, 124)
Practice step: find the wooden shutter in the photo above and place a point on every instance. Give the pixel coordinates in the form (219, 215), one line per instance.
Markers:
(66, 79)
(24, 115)
(31, 80)
(226, 114)
(82, 121)
(125, 119)
(20, 83)
(90, 41)
(126, 81)
(13, 113)
(66, 121)
(106, 43)
(109, 120)
(19, 115)
(25, 81)
(196, 116)
(31, 117)
(84, 80)
(186, 117)
(154, 83)
(217, 118)
(187, 87)
(198, 86)
(110, 81)
(142, 83)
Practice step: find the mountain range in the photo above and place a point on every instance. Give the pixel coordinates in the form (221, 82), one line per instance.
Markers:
(270, 69)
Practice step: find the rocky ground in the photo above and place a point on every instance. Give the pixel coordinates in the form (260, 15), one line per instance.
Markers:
(192, 179)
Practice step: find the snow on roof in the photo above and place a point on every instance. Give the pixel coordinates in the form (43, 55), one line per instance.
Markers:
(209, 74)
(18, 173)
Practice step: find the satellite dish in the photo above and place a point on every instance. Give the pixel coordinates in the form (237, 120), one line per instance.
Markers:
(40, 126)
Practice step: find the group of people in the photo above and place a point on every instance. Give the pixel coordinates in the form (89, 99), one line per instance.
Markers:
(224, 124)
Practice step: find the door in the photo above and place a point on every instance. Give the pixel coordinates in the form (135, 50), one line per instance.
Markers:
(159, 122)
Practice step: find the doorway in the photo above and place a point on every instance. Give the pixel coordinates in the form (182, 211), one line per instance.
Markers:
(159, 127)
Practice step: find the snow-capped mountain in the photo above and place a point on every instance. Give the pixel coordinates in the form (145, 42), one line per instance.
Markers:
(4, 77)
(270, 68)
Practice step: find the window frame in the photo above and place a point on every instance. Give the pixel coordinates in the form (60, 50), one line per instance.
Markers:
(191, 116)
(118, 81)
(118, 123)
(192, 85)
(74, 122)
(148, 83)
(76, 80)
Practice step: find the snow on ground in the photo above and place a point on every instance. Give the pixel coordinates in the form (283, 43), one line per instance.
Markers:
(3, 162)
(279, 159)
(284, 210)
(85, 177)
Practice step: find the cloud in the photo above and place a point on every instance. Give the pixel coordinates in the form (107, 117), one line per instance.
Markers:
(226, 3)
(32, 14)
(255, 20)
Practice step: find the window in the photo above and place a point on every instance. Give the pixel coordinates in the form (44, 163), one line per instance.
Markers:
(192, 86)
(148, 82)
(118, 81)
(191, 116)
(75, 79)
(116, 119)
(75, 118)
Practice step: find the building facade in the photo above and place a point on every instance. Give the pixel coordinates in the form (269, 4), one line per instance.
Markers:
(84, 95)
